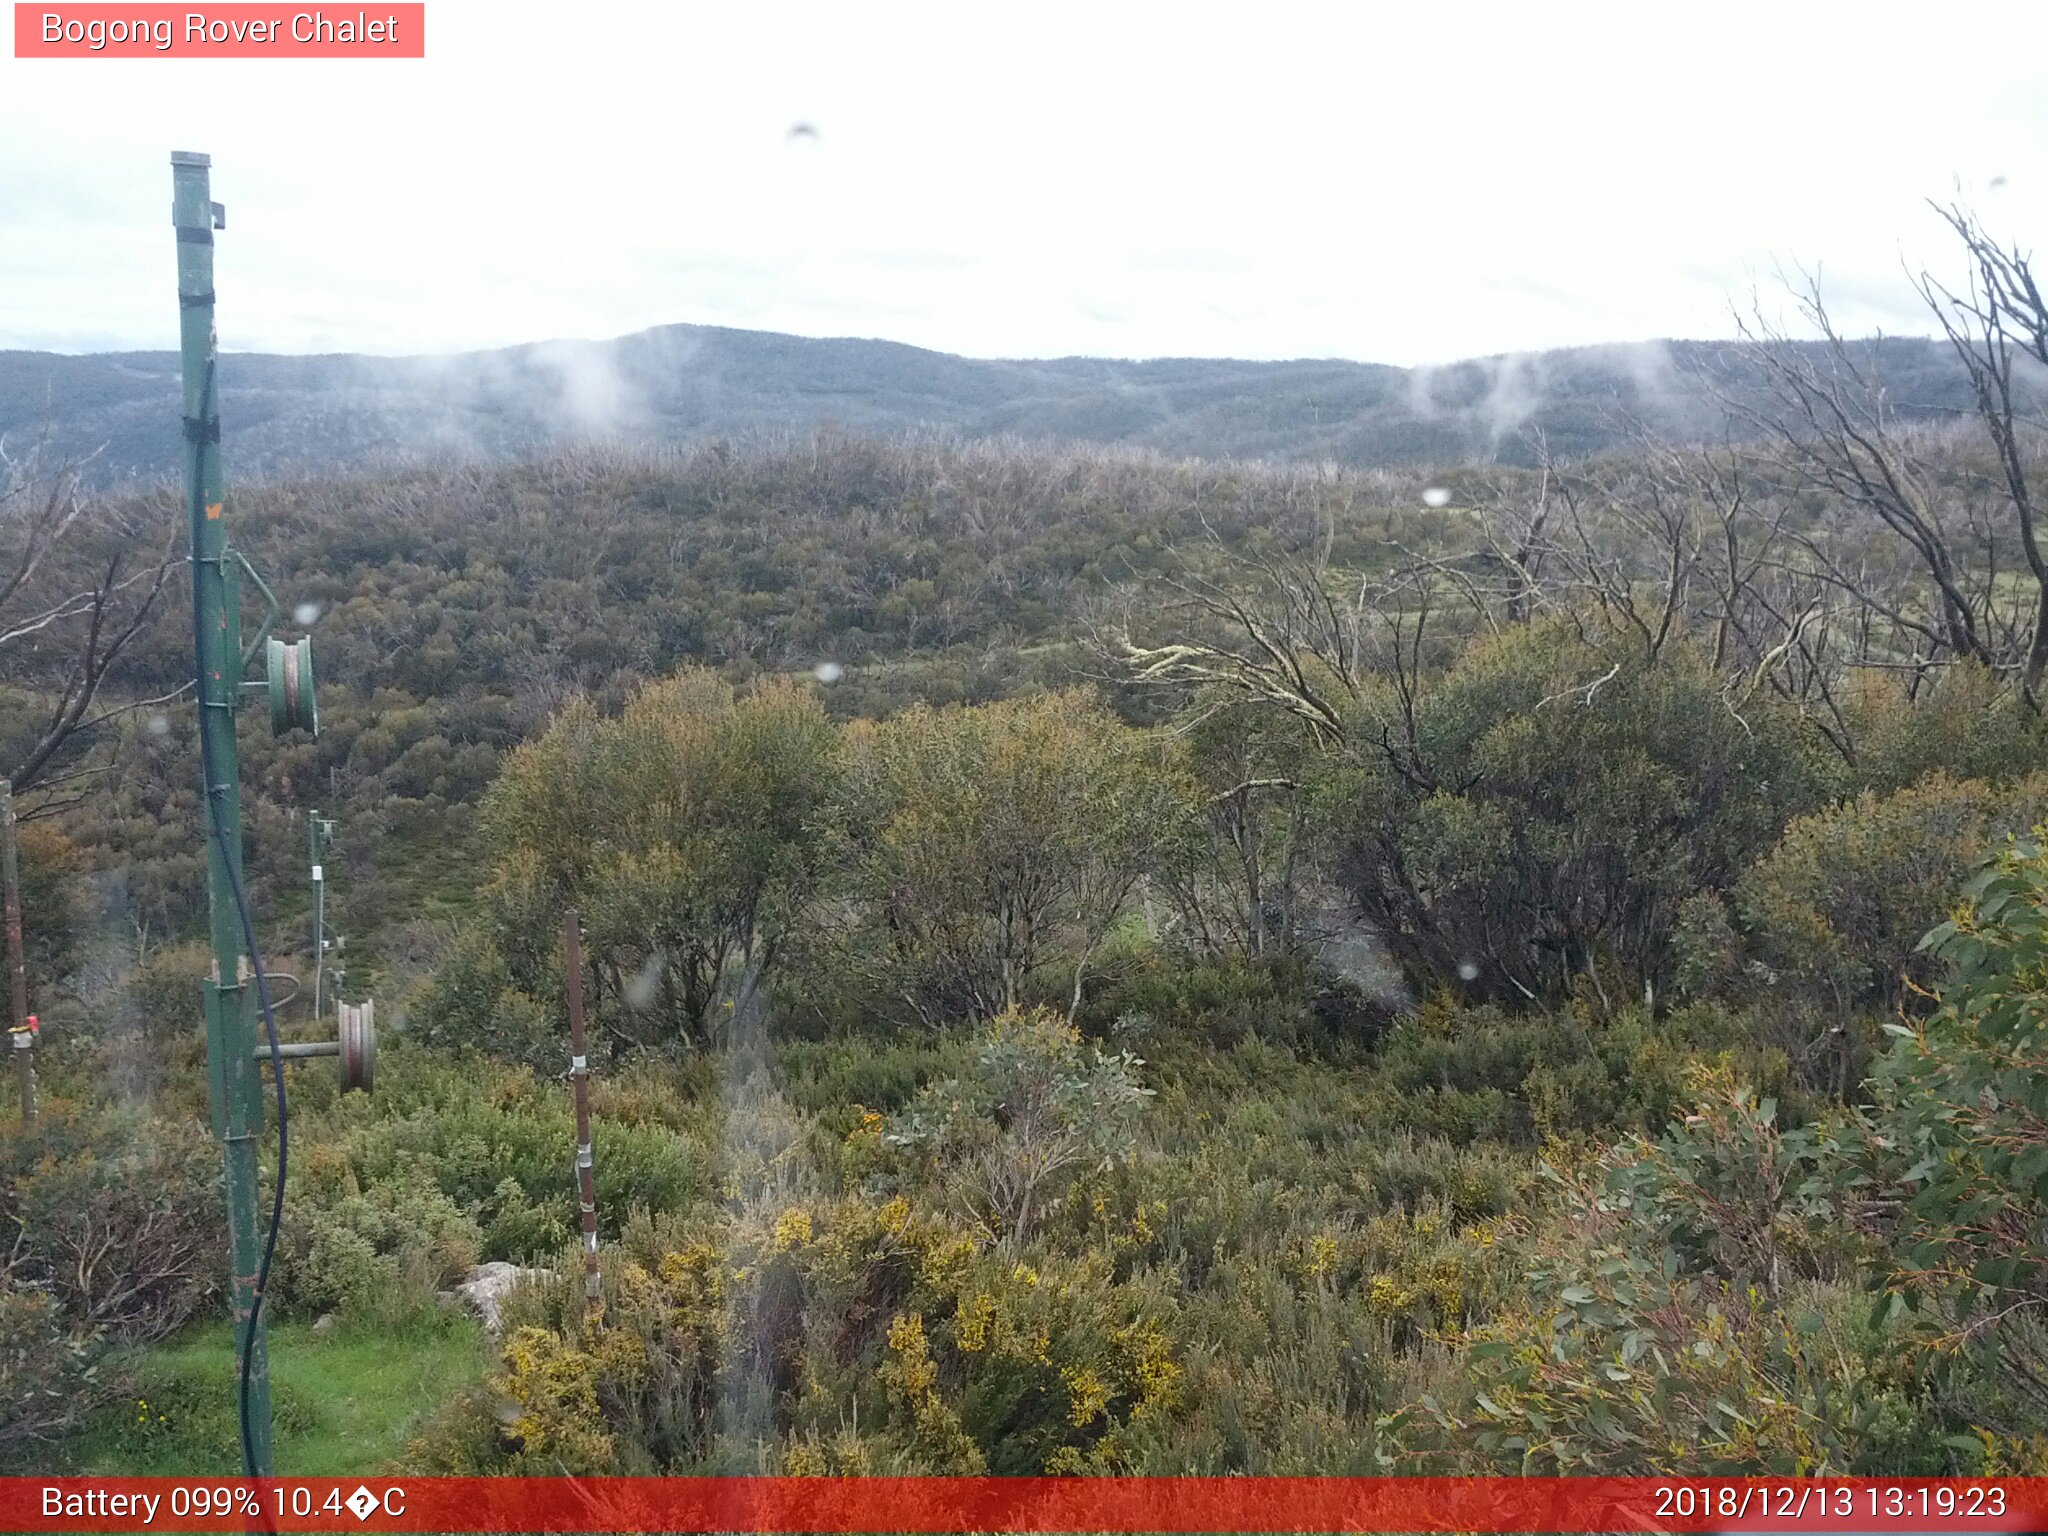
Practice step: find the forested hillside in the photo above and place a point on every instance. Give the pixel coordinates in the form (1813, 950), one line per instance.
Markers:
(1098, 963)
(299, 415)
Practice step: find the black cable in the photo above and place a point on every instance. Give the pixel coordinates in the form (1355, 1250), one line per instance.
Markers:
(218, 831)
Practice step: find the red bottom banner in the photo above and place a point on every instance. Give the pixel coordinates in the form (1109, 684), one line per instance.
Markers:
(964, 1504)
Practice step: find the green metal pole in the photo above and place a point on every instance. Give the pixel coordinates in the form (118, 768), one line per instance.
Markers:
(236, 1079)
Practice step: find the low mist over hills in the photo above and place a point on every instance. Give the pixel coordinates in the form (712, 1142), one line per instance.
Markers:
(285, 414)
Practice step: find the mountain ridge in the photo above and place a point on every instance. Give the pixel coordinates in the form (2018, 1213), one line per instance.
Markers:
(285, 414)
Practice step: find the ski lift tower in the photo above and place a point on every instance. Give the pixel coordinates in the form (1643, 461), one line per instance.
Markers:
(234, 994)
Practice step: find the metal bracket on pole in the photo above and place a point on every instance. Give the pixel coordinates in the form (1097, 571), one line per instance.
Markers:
(355, 1044)
(270, 607)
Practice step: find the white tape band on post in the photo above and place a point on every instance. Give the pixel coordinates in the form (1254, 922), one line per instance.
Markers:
(578, 1064)
(583, 1155)
(590, 1242)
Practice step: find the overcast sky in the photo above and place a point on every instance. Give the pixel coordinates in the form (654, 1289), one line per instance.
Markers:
(1404, 183)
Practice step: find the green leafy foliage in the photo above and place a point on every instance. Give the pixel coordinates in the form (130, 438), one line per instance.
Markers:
(1248, 845)
(51, 920)
(992, 849)
(1967, 723)
(1034, 1108)
(1834, 914)
(50, 1374)
(685, 831)
(1678, 1316)
(1962, 1097)
(450, 1153)
(1553, 804)
(473, 1004)
(371, 1254)
(1731, 1191)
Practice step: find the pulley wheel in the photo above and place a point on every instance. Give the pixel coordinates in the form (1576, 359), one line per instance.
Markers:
(358, 1047)
(290, 665)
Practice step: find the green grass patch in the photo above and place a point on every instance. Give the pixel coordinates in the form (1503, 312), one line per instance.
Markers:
(343, 1402)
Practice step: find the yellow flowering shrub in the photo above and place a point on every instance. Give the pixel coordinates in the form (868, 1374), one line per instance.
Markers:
(553, 1386)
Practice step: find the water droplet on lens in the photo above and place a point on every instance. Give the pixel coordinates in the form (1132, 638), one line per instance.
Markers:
(1467, 971)
(1436, 496)
(828, 672)
(159, 725)
(305, 613)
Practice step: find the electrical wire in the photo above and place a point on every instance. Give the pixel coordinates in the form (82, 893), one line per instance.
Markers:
(216, 827)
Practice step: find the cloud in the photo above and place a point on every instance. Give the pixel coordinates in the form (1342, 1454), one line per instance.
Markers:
(1498, 395)
(594, 396)
(1504, 189)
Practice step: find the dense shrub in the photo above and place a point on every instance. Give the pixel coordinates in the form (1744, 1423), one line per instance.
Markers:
(1237, 874)
(735, 1336)
(1836, 911)
(115, 1214)
(1553, 802)
(111, 1237)
(375, 1253)
(1731, 1190)
(990, 851)
(472, 1005)
(1617, 1368)
(1673, 1322)
(499, 1147)
(1964, 721)
(160, 1000)
(1034, 1108)
(841, 1079)
(50, 1373)
(52, 924)
(1189, 1007)
(688, 831)
(1956, 1130)
(1560, 1072)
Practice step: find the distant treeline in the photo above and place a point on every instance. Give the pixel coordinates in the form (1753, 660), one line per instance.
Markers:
(284, 416)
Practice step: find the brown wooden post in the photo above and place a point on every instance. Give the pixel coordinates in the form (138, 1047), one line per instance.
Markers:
(579, 1078)
(19, 1039)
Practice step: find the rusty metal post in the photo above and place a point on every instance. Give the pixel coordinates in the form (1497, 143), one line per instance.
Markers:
(319, 833)
(18, 1033)
(579, 1078)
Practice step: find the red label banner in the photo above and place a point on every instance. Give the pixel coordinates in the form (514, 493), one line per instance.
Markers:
(224, 31)
(936, 1504)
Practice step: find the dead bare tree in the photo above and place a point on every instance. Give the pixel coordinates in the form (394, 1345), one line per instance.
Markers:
(1272, 628)
(80, 580)
(1623, 538)
(1998, 319)
(1829, 425)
